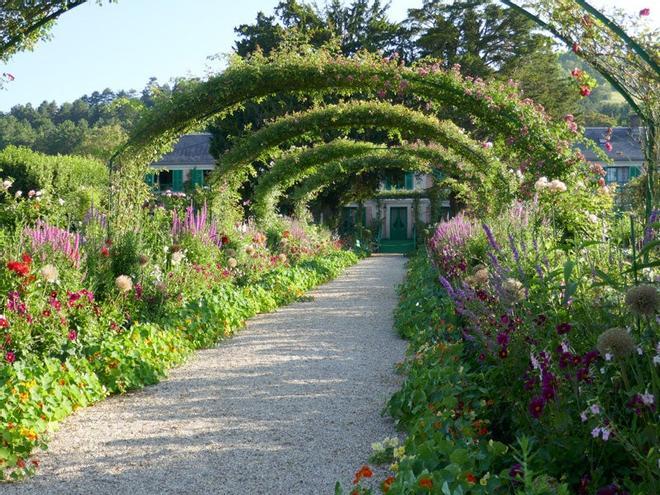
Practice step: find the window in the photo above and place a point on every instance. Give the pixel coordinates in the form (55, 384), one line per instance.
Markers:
(400, 180)
(165, 180)
(620, 175)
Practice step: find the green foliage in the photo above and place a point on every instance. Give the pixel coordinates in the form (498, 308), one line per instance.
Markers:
(483, 37)
(111, 355)
(80, 182)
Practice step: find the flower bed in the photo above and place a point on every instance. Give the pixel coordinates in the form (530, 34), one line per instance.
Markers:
(85, 315)
(533, 362)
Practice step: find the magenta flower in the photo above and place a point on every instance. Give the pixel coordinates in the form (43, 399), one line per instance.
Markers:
(645, 12)
(608, 146)
(10, 357)
(73, 335)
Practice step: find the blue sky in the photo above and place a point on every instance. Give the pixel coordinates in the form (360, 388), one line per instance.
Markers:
(121, 45)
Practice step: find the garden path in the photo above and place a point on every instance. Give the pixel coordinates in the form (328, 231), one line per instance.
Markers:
(290, 405)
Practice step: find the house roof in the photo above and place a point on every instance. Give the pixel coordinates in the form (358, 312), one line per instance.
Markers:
(626, 143)
(191, 149)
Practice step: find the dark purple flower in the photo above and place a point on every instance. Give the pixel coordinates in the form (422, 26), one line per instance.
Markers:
(536, 406)
(612, 489)
(516, 471)
(503, 338)
(563, 328)
(583, 487)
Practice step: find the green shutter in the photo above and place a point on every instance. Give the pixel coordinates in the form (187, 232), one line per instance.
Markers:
(149, 179)
(177, 180)
(635, 172)
(410, 180)
(197, 177)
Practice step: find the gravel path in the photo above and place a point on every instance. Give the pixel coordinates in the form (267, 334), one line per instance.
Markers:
(288, 406)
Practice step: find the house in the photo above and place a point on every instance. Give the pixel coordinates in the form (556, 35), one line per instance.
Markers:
(626, 153)
(190, 162)
(404, 201)
(401, 205)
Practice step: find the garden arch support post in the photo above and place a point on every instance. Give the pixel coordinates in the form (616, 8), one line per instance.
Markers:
(629, 63)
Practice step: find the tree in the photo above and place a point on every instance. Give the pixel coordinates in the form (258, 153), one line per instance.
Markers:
(363, 24)
(477, 34)
(544, 80)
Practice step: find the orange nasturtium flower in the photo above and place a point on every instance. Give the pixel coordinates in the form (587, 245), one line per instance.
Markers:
(471, 478)
(364, 472)
(385, 486)
(426, 483)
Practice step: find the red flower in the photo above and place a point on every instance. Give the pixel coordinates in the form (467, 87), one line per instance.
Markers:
(4, 322)
(471, 478)
(601, 182)
(364, 472)
(10, 357)
(642, 13)
(576, 73)
(21, 269)
(576, 47)
(26, 258)
(385, 486)
(20, 463)
(608, 146)
(224, 240)
(585, 90)
(426, 483)
(105, 251)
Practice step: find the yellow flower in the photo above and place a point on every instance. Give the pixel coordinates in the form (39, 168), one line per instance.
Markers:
(394, 467)
(399, 452)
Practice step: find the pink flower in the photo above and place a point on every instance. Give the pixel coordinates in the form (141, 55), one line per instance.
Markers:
(11, 77)
(585, 90)
(73, 335)
(10, 357)
(576, 73)
(569, 117)
(608, 146)
(642, 13)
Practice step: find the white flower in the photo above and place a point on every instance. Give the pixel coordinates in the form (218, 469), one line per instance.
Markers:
(231, 263)
(648, 399)
(124, 283)
(535, 362)
(60, 201)
(592, 218)
(49, 273)
(608, 356)
(656, 360)
(178, 257)
(556, 186)
(541, 184)
(18, 194)
(6, 184)
(640, 351)
(39, 193)
(583, 416)
(31, 193)
(282, 257)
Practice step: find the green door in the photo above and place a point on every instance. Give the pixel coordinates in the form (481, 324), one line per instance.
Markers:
(398, 223)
